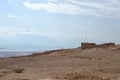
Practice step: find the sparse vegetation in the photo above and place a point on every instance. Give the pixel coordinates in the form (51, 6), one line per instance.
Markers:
(18, 70)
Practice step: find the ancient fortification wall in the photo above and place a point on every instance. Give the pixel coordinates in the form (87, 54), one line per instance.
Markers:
(93, 45)
(87, 45)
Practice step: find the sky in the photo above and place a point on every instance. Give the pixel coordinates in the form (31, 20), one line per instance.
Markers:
(55, 24)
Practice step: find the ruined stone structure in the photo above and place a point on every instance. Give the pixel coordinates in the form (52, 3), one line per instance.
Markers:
(87, 45)
(93, 45)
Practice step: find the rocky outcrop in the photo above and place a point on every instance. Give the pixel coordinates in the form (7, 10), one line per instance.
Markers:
(93, 45)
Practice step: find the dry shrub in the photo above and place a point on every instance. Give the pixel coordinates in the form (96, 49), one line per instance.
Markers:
(18, 70)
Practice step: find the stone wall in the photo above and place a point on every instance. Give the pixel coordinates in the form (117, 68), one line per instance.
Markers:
(87, 45)
(106, 45)
(93, 45)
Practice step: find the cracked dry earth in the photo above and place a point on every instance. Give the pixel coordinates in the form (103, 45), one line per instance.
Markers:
(67, 64)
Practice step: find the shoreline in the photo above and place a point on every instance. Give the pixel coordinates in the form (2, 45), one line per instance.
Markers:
(34, 53)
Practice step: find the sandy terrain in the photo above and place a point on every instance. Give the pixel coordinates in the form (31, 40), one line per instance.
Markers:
(69, 64)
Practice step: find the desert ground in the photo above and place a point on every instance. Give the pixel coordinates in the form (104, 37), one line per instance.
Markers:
(65, 64)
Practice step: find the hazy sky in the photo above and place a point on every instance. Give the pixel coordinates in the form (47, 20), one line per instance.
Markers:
(49, 24)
